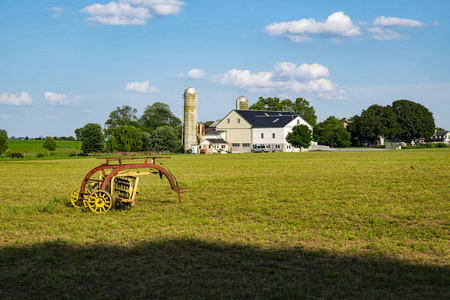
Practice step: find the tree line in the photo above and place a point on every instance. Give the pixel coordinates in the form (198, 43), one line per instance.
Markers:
(156, 130)
(404, 120)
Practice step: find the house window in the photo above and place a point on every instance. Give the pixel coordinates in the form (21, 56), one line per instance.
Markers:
(239, 121)
(223, 146)
(298, 122)
(245, 145)
(262, 135)
(273, 135)
(277, 146)
(236, 145)
(228, 121)
(268, 146)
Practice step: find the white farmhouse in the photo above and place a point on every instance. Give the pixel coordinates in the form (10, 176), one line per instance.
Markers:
(244, 129)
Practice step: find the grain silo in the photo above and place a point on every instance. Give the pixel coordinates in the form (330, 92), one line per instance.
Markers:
(190, 119)
(242, 103)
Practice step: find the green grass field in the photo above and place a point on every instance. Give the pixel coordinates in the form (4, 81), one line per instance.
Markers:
(30, 148)
(321, 225)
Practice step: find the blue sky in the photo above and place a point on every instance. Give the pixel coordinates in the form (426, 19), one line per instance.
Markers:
(67, 63)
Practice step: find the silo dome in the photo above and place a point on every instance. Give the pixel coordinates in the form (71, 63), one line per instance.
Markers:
(242, 103)
(190, 90)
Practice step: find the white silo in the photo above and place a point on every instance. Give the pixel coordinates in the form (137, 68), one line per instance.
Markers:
(242, 103)
(190, 119)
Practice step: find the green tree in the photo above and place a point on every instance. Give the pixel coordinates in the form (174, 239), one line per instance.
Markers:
(165, 138)
(414, 119)
(124, 115)
(3, 144)
(300, 107)
(4, 133)
(126, 138)
(92, 138)
(146, 138)
(273, 104)
(331, 133)
(374, 121)
(49, 144)
(156, 115)
(78, 133)
(300, 137)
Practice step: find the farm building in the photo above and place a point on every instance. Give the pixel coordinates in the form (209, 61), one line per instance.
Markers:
(244, 129)
(440, 136)
(240, 130)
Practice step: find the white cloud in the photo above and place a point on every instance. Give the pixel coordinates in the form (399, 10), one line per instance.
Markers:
(56, 99)
(130, 12)
(382, 34)
(114, 13)
(141, 87)
(285, 78)
(12, 99)
(6, 117)
(57, 11)
(338, 94)
(158, 7)
(196, 73)
(78, 101)
(391, 21)
(336, 25)
(379, 32)
(253, 82)
(303, 71)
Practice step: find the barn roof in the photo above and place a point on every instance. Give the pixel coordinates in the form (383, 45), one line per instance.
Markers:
(266, 118)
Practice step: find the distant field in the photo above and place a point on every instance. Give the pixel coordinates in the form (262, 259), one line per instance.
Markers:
(332, 225)
(34, 147)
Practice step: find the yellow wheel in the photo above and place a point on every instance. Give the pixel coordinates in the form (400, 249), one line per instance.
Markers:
(74, 199)
(100, 201)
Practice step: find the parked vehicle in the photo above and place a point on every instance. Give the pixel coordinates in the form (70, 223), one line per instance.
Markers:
(259, 149)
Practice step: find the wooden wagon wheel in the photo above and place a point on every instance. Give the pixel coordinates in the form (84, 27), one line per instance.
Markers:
(100, 201)
(74, 197)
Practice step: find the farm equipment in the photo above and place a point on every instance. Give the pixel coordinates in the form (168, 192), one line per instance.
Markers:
(117, 183)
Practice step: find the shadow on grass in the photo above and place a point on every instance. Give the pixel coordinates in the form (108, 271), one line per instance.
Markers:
(192, 269)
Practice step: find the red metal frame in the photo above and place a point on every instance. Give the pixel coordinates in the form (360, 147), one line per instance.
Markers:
(116, 168)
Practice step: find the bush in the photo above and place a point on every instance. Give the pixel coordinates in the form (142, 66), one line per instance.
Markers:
(40, 155)
(441, 145)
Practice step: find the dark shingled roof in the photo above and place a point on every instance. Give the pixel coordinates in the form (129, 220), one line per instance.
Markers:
(266, 118)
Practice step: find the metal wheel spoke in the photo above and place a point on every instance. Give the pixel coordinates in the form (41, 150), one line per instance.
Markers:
(99, 201)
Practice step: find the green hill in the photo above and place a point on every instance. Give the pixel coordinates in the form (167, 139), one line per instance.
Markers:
(31, 148)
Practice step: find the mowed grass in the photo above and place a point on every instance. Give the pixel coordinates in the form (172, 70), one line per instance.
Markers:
(373, 225)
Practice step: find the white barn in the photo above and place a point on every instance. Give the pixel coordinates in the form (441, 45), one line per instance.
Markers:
(243, 129)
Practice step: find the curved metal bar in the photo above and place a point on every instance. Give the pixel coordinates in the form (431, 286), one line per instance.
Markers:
(92, 172)
(161, 170)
